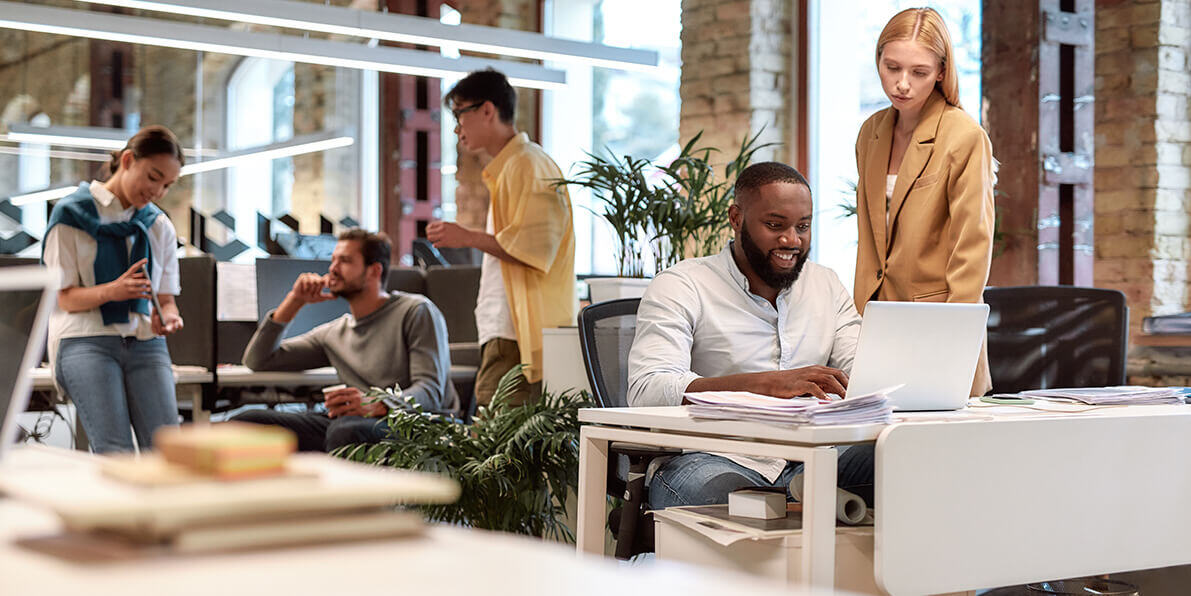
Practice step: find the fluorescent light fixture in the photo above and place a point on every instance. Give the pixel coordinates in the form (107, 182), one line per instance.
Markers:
(68, 136)
(54, 153)
(154, 32)
(45, 195)
(295, 146)
(336, 20)
(90, 137)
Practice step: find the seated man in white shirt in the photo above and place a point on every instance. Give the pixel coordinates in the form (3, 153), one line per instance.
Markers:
(756, 317)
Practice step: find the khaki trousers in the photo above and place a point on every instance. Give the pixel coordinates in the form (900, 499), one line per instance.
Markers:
(497, 357)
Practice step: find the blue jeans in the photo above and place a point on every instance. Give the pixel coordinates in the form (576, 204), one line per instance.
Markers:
(318, 432)
(114, 381)
(706, 479)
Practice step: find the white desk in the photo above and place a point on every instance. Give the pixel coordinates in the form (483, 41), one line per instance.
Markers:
(672, 427)
(967, 500)
(242, 376)
(183, 375)
(446, 560)
(188, 379)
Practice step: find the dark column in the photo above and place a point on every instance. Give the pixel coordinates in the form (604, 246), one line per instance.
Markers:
(411, 147)
(1066, 87)
(1010, 84)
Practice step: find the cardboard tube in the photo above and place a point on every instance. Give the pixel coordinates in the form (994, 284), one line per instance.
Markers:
(849, 508)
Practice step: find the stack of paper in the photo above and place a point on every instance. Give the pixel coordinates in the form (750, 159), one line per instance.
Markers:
(1105, 396)
(742, 405)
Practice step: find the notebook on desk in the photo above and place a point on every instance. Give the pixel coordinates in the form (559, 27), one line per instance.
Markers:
(26, 297)
(931, 349)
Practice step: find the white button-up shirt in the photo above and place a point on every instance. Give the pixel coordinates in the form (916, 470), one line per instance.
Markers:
(72, 252)
(699, 319)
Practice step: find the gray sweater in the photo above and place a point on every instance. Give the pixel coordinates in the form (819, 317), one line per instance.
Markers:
(403, 343)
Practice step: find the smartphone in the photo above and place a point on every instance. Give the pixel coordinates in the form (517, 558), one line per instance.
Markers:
(1006, 399)
(152, 294)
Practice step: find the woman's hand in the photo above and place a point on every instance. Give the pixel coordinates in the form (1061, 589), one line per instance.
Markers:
(172, 323)
(166, 321)
(131, 285)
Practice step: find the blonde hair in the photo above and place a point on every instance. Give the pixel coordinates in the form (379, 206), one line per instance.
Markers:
(925, 26)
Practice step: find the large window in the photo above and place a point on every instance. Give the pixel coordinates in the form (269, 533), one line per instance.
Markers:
(601, 109)
(270, 102)
(626, 112)
(260, 99)
(845, 91)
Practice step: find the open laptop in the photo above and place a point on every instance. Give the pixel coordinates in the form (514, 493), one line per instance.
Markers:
(929, 348)
(27, 294)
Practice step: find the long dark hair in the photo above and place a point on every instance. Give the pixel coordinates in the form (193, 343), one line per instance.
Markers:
(147, 142)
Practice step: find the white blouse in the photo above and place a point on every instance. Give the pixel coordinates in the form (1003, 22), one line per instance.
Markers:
(72, 252)
(890, 182)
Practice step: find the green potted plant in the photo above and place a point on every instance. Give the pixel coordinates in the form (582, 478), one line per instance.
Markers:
(516, 464)
(673, 211)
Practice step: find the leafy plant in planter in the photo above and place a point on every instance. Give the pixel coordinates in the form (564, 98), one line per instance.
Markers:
(515, 464)
(685, 208)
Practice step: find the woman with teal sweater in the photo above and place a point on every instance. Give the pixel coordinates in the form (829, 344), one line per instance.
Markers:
(115, 250)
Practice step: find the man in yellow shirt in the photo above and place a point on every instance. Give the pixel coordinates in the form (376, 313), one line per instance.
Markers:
(528, 274)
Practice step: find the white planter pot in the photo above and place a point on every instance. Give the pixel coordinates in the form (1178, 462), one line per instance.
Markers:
(611, 288)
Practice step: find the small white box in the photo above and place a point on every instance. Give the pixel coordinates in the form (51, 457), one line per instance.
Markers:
(757, 504)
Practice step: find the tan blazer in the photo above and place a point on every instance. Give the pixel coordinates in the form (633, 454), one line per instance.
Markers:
(937, 246)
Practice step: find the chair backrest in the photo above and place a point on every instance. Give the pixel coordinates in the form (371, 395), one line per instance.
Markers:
(195, 343)
(1056, 336)
(606, 331)
(454, 290)
(411, 280)
(426, 255)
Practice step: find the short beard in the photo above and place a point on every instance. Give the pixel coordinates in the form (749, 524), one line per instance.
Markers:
(759, 261)
(349, 291)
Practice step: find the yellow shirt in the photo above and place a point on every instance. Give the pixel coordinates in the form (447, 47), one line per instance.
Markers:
(532, 221)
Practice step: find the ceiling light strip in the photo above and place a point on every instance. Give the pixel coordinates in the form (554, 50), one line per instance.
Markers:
(90, 137)
(296, 146)
(140, 30)
(26, 151)
(288, 149)
(399, 28)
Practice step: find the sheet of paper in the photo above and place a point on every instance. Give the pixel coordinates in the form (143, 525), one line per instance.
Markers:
(236, 293)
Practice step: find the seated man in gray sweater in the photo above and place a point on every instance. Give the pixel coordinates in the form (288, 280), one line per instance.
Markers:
(387, 339)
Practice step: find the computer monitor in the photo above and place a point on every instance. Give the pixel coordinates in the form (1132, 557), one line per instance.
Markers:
(275, 277)
(26, 296)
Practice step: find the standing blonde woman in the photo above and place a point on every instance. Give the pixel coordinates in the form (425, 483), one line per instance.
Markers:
(924, 196)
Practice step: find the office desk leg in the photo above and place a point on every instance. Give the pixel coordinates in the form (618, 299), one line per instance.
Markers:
(198, 415)
(818, 518)
(593, 484)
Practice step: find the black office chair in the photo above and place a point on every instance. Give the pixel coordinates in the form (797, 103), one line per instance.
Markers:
(606, 331)
(1056, 336)
(426, 255)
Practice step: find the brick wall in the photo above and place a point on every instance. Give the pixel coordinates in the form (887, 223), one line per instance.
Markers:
(736, 58)
(1143, 150)
(44, 74)
(471, 196)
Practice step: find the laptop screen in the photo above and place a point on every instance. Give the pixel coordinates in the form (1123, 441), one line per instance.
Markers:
(23, 312)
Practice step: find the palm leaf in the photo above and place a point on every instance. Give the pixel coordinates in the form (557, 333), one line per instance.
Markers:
(515, 464)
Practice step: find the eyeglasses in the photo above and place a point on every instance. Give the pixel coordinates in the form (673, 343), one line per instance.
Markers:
(457, 112)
